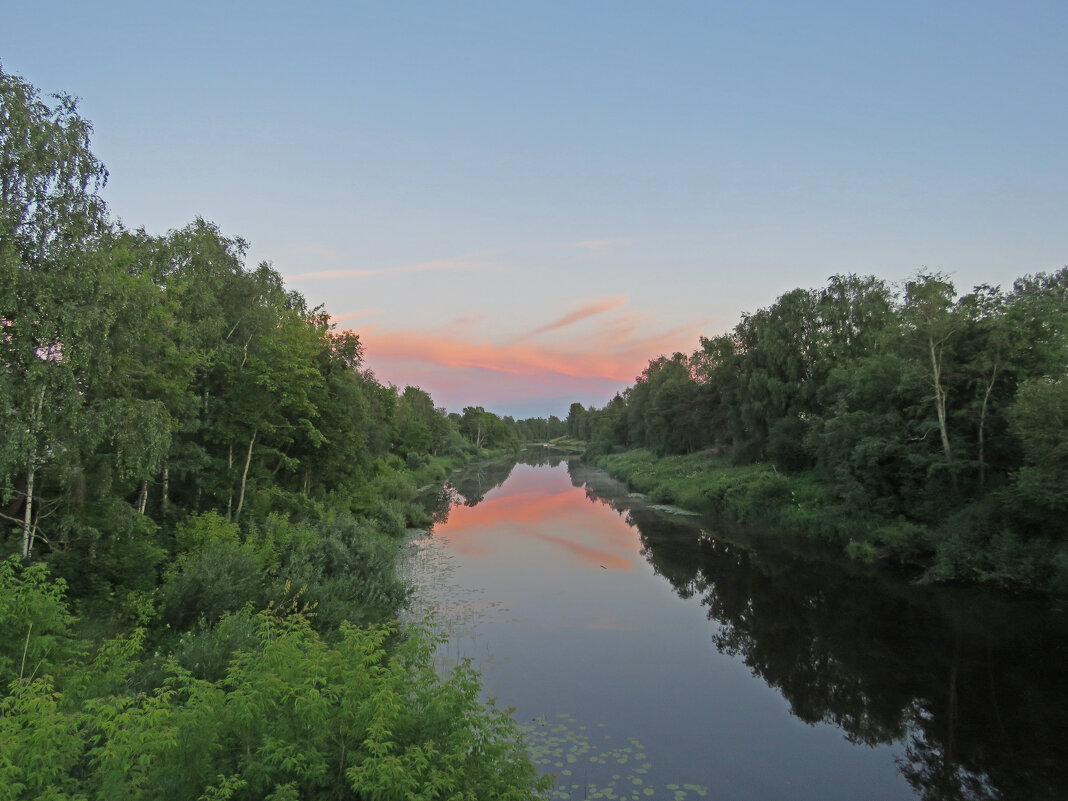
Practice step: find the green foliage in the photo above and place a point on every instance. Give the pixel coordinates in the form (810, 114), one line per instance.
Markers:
(293, 717)
(904, 540)
(221, 577)
(1039, 417)
(347, 574)
(204, 531)
(124, 554)
(861, 551)
(35, 624)
(206, 650)
(905, 408)
(786, 444)
(41, 745)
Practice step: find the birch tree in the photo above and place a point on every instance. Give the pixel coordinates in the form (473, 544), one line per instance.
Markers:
(929, 313)
(51, 220)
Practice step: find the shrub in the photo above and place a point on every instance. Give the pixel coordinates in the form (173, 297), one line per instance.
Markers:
(862, 551)
(35, 624)
(220, 577)
(904, 539)
(786, 445)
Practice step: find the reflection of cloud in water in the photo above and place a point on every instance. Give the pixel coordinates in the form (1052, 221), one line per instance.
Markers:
(586, 554)
(532, 501)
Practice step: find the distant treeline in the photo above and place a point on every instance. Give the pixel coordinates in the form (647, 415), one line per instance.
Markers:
(945, 415)
(202, 492)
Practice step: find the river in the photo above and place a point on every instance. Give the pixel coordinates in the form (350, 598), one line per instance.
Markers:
(652, 654)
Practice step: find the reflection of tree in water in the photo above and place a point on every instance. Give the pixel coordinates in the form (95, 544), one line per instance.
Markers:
(971, 684)
(474, 481)
(470, 485)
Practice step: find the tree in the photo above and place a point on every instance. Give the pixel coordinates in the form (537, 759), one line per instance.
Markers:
(51, 223)
(1040, 418)
(577, 421)
(928, 310)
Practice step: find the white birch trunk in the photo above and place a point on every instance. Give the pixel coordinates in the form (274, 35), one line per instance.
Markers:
(244, 476)
(940, 408)
(31, 474)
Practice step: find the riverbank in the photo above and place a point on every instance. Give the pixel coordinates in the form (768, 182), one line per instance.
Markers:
(964, 548)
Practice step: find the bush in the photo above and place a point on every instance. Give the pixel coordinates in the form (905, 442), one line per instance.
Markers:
(102, 564)
(862, 551)
(415, 460)
(786, 445)
(203, 530)
(291, 716)
(904, 539)
(206, 651)
(347, 574)
(35, 624)
(761, 498)
(220, 577)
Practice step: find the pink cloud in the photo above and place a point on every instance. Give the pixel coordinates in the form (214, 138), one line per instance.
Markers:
(583, 312)
(459, 370)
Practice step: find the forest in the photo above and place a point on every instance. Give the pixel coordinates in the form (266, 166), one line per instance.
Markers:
(202, 493)
(905, 422)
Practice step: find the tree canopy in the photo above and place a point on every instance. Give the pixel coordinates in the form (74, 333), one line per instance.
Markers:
(913, 405)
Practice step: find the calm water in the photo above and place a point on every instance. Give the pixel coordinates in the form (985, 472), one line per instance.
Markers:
(656, 655)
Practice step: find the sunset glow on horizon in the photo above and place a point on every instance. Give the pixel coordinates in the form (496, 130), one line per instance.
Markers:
(585, 354)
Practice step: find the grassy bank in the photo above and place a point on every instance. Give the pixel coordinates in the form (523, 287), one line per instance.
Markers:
(968, 546)
(710, 483)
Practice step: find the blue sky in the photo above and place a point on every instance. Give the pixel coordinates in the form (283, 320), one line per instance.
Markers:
(519, 204)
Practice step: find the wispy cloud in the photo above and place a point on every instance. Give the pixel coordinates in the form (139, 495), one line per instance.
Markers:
(583, 312)
(442, 265)
(462, 326)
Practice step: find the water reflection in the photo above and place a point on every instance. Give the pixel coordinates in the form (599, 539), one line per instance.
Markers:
(567, 609)
(537, 511)
(971, 683)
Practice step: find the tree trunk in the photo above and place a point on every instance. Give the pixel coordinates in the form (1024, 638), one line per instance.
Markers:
(31, 473)
(164, 500)
(142, 497)
(982, 421)
(940, 407)
(230, 497)
(244, 476)
(27, 519)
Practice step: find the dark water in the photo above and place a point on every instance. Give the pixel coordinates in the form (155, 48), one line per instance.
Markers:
(655, 655)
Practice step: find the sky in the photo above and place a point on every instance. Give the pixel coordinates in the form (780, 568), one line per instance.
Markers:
(517, 205)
